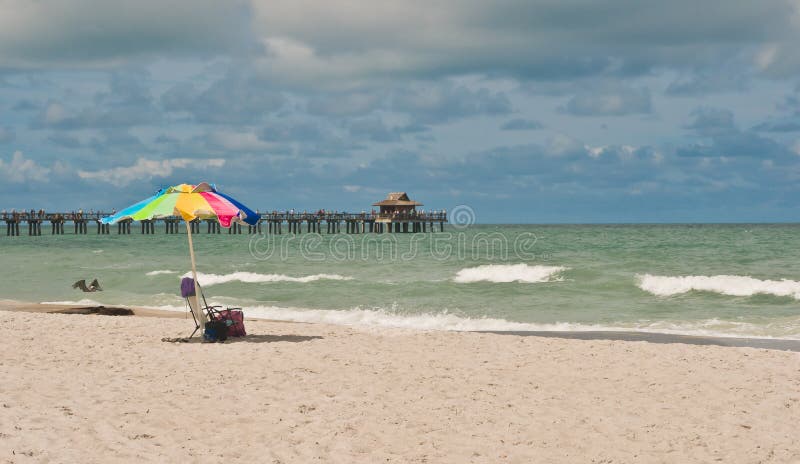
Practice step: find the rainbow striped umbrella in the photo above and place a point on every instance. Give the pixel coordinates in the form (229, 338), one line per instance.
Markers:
(201, 201)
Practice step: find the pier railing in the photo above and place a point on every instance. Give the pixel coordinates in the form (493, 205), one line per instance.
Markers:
(271, 222)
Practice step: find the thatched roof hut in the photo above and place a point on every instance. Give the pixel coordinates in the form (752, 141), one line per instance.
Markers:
(397, 201)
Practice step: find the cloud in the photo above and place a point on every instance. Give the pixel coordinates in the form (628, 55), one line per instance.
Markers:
(106, 33)
(115, 142)
(434, 103)
(520, 124)
(238, 142)
(294, 131)
(65, 141)
(24, 105)
(749, 144)
(345, 103)
(311, 41)
(790, 103)
(146, 169)
(309, 97)
(618, 101)
(725, 139)
(711, 122)
(315, 43)
(7, 135)
(126, 103)
(20, 170)
(234, 99)
(708, 82)
(779, 125)
(373, 129)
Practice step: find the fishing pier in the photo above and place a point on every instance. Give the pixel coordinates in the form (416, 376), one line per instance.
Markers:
(397, 214)
(272, 223)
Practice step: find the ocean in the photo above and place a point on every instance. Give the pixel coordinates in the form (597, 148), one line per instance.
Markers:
(722, 280)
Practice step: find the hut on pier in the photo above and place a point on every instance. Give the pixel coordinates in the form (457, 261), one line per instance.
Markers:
(397, 204)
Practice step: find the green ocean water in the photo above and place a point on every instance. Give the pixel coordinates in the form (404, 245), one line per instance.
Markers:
(738, 280)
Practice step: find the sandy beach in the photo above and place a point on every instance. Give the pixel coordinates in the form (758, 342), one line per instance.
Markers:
(79, 388)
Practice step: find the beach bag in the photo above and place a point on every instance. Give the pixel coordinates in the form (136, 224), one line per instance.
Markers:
(215, 331)
(234, 320)
(187, 287)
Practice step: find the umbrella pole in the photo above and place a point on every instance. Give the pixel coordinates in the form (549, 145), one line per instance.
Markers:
(201, 317)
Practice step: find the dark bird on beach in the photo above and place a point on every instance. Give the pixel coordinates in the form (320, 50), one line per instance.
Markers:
(93, 287)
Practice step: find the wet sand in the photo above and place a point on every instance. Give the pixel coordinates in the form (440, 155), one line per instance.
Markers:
(657, 337)
(650, 337)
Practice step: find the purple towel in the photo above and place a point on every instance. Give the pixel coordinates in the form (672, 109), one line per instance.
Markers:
(187, 287)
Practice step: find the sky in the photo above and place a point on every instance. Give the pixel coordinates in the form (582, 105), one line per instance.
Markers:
(525, 111)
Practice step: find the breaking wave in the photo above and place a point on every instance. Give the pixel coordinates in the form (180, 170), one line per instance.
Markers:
(510, 273)
(155, 273)
(722, 284)
(208, 280)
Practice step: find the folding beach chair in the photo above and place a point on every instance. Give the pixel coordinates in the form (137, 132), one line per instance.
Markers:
(233, 318)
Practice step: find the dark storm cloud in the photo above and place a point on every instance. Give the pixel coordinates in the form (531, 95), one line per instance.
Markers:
(540, 39)
(343, 43)
(108, 32)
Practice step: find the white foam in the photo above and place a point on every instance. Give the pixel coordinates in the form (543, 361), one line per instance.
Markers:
(510, 273)
(723, 284)
(160, 272)
(788, 328)
(383, 318)
(208, 280)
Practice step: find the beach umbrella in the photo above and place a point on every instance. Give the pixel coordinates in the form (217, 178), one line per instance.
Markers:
(190, 202)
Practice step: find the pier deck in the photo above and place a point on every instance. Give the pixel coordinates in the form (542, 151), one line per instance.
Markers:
(272, 223)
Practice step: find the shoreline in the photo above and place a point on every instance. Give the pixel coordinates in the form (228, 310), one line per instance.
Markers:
(661, 338)
(596, 335)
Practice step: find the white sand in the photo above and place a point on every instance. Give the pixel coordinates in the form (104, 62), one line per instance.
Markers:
(102, 389)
